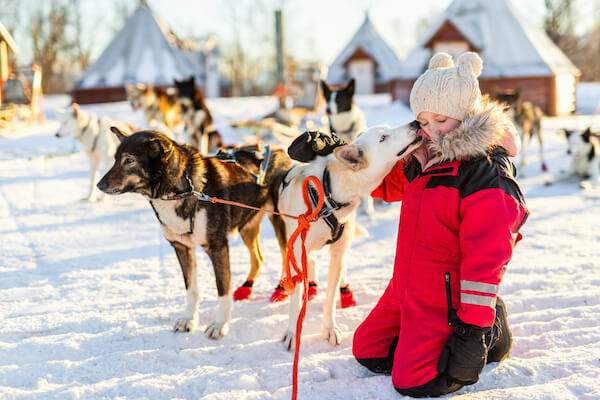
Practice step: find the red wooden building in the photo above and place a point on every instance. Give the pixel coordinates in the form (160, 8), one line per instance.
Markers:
(516, 54)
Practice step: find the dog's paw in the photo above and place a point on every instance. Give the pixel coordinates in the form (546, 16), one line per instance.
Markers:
(217, 330)
(184, 325)
(332, 335)
(289, 340)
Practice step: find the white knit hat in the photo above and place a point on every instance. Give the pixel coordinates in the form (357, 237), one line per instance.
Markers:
(448, 90)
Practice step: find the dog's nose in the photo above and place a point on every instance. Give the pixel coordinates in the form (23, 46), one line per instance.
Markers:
(57, 134)
(102, 185)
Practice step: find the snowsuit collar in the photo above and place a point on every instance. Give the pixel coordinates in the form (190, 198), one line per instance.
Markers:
(482, 130)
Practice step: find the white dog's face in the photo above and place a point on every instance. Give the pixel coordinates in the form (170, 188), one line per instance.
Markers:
(374, 153)
(578, 146)
(69, 121)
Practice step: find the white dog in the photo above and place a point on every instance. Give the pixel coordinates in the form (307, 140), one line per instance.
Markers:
(96, 138)
(350, 173)
(584, 148)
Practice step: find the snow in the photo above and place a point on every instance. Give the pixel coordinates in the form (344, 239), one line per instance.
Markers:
(89, 292)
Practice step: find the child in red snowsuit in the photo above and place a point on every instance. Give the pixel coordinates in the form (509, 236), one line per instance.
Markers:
(439, 320)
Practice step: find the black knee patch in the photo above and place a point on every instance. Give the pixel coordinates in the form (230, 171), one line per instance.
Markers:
(381, 365)
(436, 387)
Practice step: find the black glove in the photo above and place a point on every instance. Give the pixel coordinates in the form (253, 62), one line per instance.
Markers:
(313, 143)
(464, 355)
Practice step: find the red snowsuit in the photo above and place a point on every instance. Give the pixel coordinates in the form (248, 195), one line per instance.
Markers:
(459, 218)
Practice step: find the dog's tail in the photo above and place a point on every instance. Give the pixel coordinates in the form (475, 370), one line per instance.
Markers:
(359, 231)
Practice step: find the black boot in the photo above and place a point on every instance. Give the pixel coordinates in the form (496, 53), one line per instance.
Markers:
(500, 337)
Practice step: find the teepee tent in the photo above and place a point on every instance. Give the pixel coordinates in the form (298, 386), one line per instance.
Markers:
(516, 54)
(143, 51)
(368, 59)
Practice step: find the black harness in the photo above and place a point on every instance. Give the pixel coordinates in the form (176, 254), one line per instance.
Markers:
(329, 206)
(85, 128)
(264, 156)
(225, 157)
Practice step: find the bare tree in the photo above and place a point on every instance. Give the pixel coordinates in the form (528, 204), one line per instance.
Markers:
(247, 53)
(48, 27)
(559, 20)
(81, 48)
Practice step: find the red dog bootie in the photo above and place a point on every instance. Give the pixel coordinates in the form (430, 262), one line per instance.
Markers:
(244, 291)
(279, 294)
(312, 290)
(347, 298)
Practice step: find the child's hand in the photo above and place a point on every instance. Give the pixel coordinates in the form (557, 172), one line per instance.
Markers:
(464, 355)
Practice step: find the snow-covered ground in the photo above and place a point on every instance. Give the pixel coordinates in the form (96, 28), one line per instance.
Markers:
(89, 292)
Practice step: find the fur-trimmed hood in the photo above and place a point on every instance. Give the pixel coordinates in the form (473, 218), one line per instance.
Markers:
(483, 129)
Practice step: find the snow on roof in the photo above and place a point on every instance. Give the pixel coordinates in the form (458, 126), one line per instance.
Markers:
(369, 40)
(5, 34)
(509, 44)
(144, 50)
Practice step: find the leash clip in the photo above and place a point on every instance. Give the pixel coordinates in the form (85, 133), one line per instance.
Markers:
(202, 196)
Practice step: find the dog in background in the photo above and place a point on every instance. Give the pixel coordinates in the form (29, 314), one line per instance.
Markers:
(346, 120)
(160, 108)
(198, 120)
(528, 120)
(169, 174)
(584, 148)
(96, 138)
(350, 173)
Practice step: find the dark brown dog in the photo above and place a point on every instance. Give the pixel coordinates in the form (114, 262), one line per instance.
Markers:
(153, 165)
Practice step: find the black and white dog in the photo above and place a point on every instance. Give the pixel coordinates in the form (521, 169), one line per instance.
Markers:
(346, 120)
(584, 148)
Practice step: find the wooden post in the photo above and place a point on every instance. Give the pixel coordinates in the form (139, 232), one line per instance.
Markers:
(3, 68)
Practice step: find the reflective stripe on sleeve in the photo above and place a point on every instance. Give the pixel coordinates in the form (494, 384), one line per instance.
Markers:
(479, 287)
(478, 300)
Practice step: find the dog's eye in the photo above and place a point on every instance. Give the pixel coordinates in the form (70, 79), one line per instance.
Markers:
(383, 138)
(127, 161)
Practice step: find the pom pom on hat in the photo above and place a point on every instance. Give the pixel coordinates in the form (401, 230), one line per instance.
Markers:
(447, 90)
(441, 60)
(471, 61)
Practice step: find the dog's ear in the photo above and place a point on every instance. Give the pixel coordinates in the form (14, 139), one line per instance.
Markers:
(350, 87)
(192, 80)
(586, 134)
(326, 89)
(120, 135)
(567, 132)
(75, 110)
(159, 148)
(351, 156)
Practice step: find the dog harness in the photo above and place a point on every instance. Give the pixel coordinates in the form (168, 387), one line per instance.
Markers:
(264, 156)
(180, 197)
(85, 128)
(329, 206)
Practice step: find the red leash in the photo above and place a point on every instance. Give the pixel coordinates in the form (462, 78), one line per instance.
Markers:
(301, 275)
(289, 282)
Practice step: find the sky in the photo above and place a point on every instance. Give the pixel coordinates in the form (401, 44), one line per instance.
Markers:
(314, 29)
